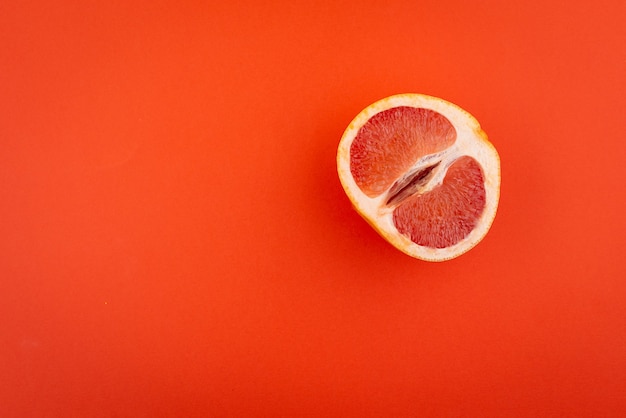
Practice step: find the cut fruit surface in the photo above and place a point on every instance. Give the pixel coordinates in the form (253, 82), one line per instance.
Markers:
(422, 172)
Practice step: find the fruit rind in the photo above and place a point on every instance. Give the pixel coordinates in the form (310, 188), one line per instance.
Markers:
(471, 140)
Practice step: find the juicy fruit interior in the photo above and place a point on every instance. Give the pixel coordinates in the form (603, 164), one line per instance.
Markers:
(398, 152)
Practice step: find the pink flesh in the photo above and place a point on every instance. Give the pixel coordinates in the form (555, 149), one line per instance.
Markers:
(448, 213)
(390, 143)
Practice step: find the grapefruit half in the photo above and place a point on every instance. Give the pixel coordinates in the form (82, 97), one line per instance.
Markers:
(422, 172)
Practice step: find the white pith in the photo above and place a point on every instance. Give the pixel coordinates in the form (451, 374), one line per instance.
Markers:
(470, 141)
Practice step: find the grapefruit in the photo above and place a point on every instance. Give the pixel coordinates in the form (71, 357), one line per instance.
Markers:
(422, 172)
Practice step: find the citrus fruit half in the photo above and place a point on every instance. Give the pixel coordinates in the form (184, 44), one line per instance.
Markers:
(422, 172)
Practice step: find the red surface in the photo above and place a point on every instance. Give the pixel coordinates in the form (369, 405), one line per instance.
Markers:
(175, 241)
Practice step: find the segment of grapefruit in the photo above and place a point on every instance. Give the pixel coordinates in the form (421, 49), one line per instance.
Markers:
(390, 143)
(421, 171)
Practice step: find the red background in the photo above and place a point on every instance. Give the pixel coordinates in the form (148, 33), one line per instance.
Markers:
(175, 241)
